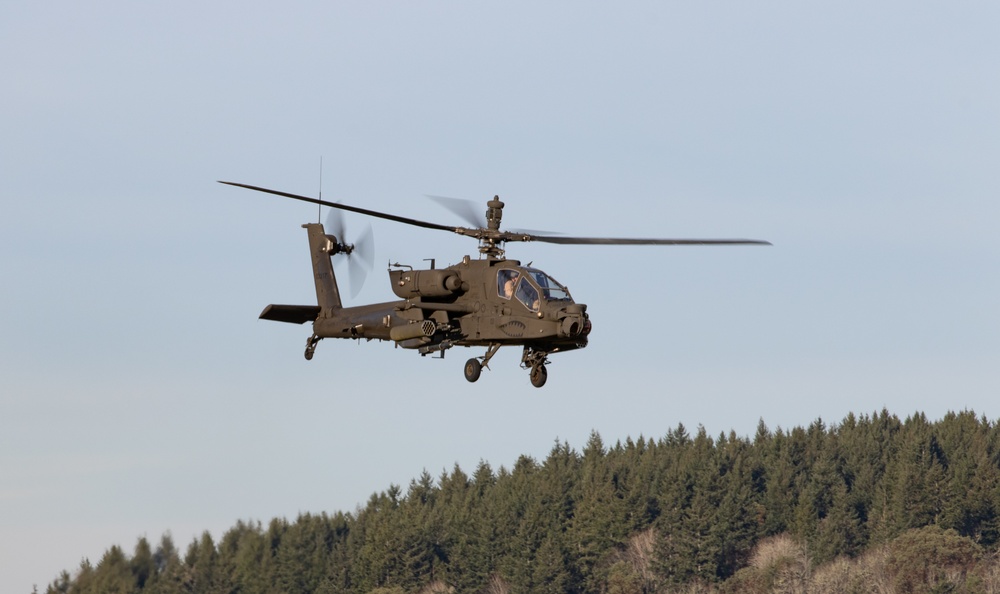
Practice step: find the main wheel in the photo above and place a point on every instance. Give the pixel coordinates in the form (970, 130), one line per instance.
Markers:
(538, 376)
(473, 368)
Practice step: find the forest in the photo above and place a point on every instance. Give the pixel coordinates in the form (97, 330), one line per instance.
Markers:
(871, 504)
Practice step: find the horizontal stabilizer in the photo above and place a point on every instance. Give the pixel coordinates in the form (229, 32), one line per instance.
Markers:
(293, 314)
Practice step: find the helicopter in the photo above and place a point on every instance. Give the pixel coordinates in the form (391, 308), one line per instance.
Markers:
(490, 301)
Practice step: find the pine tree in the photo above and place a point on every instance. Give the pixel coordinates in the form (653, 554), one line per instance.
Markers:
(550, 570)
(686, 541)
(970, 504)
(170, 571)
(735, 527)
(778, 472)
(838, 532)
(201, 560)
(113, 574)
(597, 525)
(61, 585)
(142, 565)
(517, 510)
(377, 562)
(919, 478)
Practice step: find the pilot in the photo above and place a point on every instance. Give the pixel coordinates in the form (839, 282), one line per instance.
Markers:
(510, 283)
(527, 295)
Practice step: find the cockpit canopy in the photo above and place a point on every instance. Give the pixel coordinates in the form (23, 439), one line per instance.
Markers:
(551, 289)
(530, 286)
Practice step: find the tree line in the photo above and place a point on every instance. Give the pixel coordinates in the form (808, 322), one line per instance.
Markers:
(645, 515)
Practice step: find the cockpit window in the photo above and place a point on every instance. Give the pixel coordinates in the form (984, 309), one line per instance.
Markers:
(527, 294)
(512, 282)
(506, 281)
(551, 289)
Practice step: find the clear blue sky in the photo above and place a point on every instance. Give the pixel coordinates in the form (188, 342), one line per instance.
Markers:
(139, 393)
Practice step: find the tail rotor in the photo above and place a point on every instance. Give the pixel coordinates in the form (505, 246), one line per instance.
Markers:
(360, 253)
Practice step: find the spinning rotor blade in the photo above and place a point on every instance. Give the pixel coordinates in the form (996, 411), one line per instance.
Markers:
(636, 241)
(467, 210)
(361, 261)
(471, 212)
(364, 211)
(335, 225)
(361, 258)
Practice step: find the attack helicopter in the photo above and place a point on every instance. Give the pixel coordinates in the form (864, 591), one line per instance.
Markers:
(489, 301)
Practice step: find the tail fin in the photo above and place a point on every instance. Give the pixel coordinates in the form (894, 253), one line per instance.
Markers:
(327, 293)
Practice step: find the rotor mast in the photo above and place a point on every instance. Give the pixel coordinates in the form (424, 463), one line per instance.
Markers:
(488, 244)
(491, 238)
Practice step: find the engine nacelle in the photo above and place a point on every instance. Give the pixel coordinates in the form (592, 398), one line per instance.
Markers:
(407, 284)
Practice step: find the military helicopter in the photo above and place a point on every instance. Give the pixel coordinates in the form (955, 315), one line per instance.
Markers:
(489, 301)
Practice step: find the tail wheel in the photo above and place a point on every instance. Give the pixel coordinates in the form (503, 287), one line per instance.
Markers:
(473, 369)
(311, 346)
(538, 376)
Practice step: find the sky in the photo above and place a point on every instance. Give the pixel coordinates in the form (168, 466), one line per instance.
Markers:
(140, 394)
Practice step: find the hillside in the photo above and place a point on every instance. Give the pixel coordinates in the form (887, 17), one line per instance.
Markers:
(909, 504)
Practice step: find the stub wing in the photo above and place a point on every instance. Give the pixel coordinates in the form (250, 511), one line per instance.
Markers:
(292, 314)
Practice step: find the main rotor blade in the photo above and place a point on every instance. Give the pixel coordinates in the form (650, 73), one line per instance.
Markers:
(364, 211)
(636, 241)
(467, 210)
(484, 234)
(470, 212)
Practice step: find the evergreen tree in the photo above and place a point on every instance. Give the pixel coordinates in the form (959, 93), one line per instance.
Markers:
(201, 562)
(61, 585)
(736, 526)
(113, 575)
(378, 563)
(169, 569)
(598, 523)
(777, 475)
(550, 572)
(686, 549)
(638, 483)
(917, 486)
(838, 532)
(970, 503)
(142, 565)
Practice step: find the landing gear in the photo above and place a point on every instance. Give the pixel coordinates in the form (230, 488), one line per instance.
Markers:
(311, 346)
(538, 376)
(535, 361)
(473, 368)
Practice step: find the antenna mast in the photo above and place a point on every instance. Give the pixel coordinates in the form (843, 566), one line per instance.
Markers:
(319, 207)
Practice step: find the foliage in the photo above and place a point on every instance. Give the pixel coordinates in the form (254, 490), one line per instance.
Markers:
(874, 503)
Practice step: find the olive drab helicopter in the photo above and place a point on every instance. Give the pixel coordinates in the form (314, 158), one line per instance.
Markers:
(489, 301)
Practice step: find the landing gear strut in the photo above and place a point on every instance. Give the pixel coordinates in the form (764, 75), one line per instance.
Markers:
(311, 346)
(535, 361)
(473, 368)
